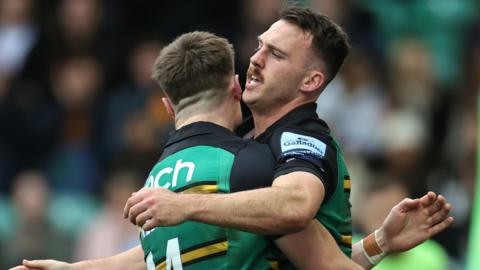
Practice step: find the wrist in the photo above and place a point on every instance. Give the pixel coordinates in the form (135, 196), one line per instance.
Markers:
(192, 205)
(382, 240)
(371, 247)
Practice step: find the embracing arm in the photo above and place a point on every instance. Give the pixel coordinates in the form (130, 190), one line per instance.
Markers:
(314, 248)
(287, 206)
(130, 259)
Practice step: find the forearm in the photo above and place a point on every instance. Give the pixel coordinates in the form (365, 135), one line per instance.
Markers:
(314, 248)
(288, 206)
(273, 210)
(130, 259)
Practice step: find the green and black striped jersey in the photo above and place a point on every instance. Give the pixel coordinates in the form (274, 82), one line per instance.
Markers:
(205, 158)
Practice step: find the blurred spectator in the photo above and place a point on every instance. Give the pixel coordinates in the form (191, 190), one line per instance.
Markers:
(74, 164)
(404, 140)
(108, 232)
(134, 119)
(29, 120)
(337, 10)
(18, 34)
(73, 27)
(455, 176)
(354, 106)
(33, 237)
(79, 22)
(413, 85)
(357, 21)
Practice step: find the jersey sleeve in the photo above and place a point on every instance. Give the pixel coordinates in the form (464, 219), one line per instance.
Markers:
(313, 152)
(253, 167)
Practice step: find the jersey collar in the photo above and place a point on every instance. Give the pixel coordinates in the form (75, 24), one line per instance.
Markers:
(195, 129)
(297, 115)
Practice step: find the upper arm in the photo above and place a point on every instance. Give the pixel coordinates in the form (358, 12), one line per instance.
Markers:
(308, 153)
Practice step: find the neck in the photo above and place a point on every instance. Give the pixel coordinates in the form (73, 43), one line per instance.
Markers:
(264, 119)
(223, 116)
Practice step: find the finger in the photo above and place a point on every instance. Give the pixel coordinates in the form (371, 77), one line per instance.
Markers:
(142, 218)
(436, 206)
(20, 267)
(408, 204)
(442, 200)
(40, 264)
(441, 226)
(33, 263)
(133, 200)
(133, 193)
(428, 199)
(136, 210)
(149, 224)
(440, 215)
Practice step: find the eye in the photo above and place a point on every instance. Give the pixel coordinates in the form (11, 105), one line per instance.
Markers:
(276, 54)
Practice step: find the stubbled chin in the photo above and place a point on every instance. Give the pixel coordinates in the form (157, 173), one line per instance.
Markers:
(250, 96)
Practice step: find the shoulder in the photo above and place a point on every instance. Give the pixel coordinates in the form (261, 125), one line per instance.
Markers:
(295, 141)
(309, 137)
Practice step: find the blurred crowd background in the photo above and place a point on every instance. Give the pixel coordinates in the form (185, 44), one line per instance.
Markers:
(81, 120)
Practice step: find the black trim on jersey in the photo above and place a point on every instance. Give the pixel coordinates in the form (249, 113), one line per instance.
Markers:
(303, 120)
(204, 244)
(218, 254)
(196, 184)
(299, 116)
(199, 246)
(347, 178)
(253, 165)
(345, 245)
(202, 133)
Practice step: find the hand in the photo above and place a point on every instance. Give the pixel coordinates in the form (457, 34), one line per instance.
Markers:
(411, 222)
(152, 207)
(43, 265)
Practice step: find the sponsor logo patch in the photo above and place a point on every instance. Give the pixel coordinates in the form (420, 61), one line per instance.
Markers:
(301, 144)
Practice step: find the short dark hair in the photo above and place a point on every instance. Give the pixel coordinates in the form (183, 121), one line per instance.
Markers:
(329, 42)
(193, 63)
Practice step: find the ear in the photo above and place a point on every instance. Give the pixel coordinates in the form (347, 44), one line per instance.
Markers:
(313, 80)
(167, 103)
(237, 89)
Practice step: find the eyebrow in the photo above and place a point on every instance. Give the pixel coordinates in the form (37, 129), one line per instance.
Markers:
(272, 47)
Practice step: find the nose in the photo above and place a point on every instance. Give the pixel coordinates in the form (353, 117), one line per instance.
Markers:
(258, 58)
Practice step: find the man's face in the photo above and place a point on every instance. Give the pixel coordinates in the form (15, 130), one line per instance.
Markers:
(277, 68)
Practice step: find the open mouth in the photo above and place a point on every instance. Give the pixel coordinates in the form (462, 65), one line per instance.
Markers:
(253, 78)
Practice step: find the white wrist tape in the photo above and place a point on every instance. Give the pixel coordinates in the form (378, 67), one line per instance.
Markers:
(371, 248)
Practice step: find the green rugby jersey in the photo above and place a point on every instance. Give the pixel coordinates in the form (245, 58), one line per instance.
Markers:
(300, 141)
(205, 158)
